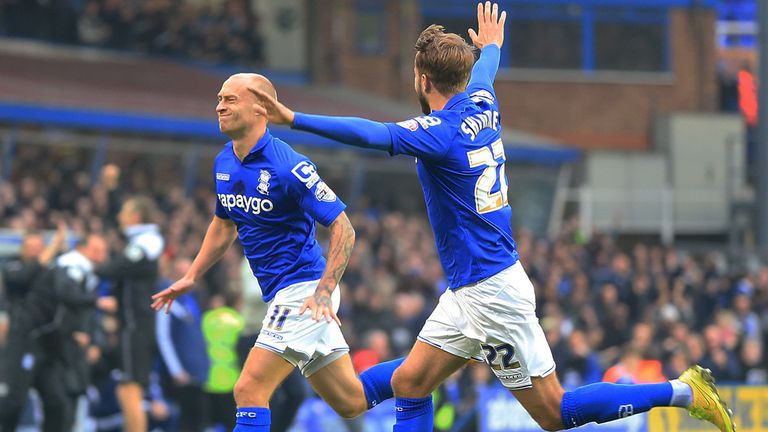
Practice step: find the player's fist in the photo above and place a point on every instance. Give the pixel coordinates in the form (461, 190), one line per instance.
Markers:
(82, 338)
(490, 26)
(107, 304)
(165, 298)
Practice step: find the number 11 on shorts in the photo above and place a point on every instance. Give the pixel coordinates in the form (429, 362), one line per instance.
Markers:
(279, 314)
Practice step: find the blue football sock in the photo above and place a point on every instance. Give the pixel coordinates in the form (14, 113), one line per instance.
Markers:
(414, 415)
(604, 402)
(252, 419)
(377, 381)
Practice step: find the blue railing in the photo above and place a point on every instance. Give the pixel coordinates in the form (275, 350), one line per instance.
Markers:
(737, 23)
(206, 130)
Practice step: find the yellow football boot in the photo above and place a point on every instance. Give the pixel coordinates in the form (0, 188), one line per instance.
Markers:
(707, 404)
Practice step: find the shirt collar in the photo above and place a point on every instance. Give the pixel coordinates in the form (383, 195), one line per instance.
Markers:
(456, 99)
(74, 257)
(135, 230)
(258, 147)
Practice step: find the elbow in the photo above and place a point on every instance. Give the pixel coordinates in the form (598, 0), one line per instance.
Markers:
(351, 234)
(348, 232)
(344, 230)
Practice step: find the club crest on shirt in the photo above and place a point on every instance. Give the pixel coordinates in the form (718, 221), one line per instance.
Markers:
(263, 186)
(324, 193)
(411, 125)
(424, 121)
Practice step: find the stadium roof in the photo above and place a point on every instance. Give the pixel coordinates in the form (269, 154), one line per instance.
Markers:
(42, 84)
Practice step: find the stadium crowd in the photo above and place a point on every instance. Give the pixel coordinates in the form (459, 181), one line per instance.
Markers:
(210, 31)
(637, 315)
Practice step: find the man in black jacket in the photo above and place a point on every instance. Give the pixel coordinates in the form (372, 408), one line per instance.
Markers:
(19, 275)
(65, 350)
(135, 273)
(41, 335)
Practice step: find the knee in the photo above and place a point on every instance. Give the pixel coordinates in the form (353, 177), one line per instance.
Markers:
(550, 423)
(352, 409)
(549, 417)
(406, 384)
(250, 391)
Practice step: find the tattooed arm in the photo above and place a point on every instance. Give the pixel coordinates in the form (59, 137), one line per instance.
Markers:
(339, 251)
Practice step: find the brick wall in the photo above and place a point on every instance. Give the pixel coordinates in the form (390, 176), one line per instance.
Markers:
(609, 110)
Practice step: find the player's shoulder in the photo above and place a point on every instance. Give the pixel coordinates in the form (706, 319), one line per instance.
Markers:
(146, 242)
(437, 122)
(284, 157)
(71, 258)
(289, 163)
(225, 153)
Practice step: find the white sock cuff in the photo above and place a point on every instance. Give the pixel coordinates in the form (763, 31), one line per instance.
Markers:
(682, 394)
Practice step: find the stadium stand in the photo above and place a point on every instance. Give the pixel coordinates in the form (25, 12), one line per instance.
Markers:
(207, 31)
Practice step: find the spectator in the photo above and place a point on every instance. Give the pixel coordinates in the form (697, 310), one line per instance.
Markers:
(724, 364)
(582, 365)
(183, 350)
(222, 325)
(135, 273)
(755, 371)
(633, 368)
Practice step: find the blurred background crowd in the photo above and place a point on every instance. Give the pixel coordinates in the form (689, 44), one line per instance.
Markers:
(611, 311)
(210, 31)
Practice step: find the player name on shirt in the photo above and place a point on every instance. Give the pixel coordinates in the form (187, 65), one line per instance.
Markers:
(487, 119)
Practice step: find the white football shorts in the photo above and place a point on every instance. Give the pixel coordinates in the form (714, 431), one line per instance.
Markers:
(494, 320)
(305, 343)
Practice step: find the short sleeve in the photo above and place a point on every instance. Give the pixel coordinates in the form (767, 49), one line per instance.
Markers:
(312, 194)
(220, 211)
(425, 137)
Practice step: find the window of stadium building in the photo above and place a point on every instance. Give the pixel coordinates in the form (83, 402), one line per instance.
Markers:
(371, 28)
(546, 44)
(630, 47)
(576, 36)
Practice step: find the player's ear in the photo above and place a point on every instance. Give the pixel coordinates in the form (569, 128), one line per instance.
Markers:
(426, 83)
(258, 110)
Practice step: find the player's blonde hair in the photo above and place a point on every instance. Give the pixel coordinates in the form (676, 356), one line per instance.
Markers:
(445, 58)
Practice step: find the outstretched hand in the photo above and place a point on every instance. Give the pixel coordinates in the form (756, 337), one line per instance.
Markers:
(490, 26)
(165, 298)
(270, 108)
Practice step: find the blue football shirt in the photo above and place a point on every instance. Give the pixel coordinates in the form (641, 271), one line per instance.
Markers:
(274, 196)
(460, 163)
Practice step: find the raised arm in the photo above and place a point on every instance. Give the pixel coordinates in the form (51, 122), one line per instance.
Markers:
(339, 251)
(219, 237)
(354, 131)
(55, 246)
(489, 38)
